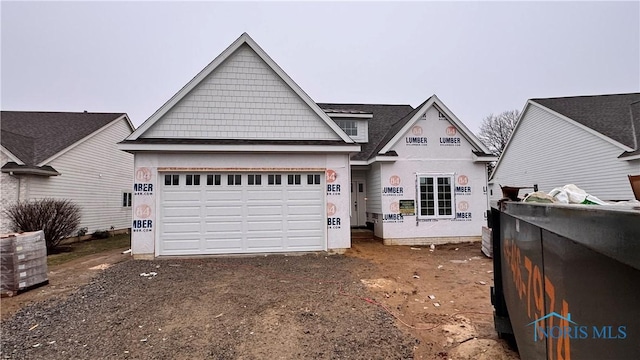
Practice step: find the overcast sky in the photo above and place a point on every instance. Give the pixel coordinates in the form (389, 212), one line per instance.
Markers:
(477, 57)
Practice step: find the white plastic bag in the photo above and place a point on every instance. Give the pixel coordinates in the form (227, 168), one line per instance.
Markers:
(571, 194)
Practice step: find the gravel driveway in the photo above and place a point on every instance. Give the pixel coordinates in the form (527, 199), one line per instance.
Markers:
(279, 307)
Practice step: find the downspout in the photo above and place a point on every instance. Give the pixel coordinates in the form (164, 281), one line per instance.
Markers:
(19, 182)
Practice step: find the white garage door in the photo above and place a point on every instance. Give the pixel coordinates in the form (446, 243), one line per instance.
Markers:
(225, 213)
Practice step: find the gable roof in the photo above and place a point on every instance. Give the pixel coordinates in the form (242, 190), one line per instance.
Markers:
(615, 117)
(384, 117)
(244, 39)
(391, 121)
(609, 115)
(34, 137)
(410, 119)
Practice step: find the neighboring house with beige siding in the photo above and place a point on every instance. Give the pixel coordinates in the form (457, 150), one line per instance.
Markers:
(590, 141)
(70, 156)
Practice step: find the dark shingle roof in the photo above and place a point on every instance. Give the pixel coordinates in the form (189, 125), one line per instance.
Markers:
(393, 130)
(610, 115)
(384, 117)
(36, 136)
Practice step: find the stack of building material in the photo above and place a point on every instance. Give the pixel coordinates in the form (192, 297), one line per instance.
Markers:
(23, 262)
(487, 241)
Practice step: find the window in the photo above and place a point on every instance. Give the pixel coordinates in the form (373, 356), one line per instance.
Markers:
(126, 199)
(313, 179)
(349, 126)
(234, 179)
(435, 196)
(192, 179)
(293, 179)
(172, 179)
(213, 179)
(274, 179)
(254, 179)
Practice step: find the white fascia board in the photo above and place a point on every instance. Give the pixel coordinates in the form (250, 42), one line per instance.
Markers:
(355, 116)
(466, 133)
(358, 162)
(372, 160)
(11, 156)
(583, 127)
(346, 148)
(491, 158)
(387, 147)
(629, 158)
(63, 151)
(382, 159)
(243, 39)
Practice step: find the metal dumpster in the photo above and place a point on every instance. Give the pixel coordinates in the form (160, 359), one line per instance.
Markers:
(567, 279)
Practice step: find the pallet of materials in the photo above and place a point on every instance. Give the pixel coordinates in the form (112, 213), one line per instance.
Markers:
(23, 262)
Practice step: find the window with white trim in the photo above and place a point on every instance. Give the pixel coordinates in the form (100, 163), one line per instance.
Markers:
(350, 127)
(435, 196)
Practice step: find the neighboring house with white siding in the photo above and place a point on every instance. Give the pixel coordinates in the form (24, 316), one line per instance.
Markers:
(242, 160)
(590, 141)
(67, 155)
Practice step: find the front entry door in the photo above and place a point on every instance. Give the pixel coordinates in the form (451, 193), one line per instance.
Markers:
(358, 204)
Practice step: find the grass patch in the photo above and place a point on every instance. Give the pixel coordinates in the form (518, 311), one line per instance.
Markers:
(66, 253)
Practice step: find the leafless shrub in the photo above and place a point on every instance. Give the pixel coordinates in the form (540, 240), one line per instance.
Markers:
(57, 218)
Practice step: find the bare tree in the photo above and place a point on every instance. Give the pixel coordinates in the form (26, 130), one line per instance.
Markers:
(496, 130)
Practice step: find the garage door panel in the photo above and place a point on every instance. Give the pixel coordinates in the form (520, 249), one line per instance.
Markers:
(265, 243)
(304, 232)
(303, 194)
(227, 244)
(182, 196)
(225, 194)
(182, 212)
(221, 211)
(305, 224)
(269, 225)
(275, 210)
(265, 194)
(305, 242)
(223, 227)
(225, 219)
(182, 244)
(305, 209)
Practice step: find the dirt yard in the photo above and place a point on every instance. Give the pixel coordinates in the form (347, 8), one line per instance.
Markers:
(372, 303)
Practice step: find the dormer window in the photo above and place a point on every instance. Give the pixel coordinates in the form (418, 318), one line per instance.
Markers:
(350, 127)
(352, 122)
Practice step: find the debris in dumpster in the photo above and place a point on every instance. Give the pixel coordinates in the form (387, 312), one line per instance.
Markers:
(540, 197)
(571, 194)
